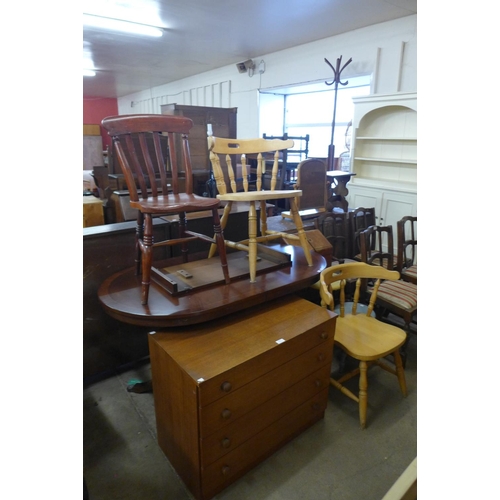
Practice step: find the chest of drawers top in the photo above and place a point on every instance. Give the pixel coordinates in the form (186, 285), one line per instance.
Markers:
(239, 348)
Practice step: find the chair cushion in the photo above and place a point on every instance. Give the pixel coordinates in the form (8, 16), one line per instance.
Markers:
(411, 271)
(399, 293)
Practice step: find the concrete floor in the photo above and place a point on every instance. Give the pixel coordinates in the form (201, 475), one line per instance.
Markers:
(332, 460)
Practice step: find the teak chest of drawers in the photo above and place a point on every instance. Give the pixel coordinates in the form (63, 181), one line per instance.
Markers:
(230, 392)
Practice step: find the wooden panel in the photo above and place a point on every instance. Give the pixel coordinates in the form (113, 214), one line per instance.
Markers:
(91, 129)
(176, 415)
(93, 214)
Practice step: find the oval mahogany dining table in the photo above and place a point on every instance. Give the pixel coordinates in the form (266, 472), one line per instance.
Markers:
(120, 294)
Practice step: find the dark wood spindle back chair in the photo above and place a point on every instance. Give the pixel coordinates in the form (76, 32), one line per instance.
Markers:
(153, 152)
(407, 249)
(398, 297)
(359, 219)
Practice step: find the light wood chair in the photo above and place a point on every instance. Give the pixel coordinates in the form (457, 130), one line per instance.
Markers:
(153, 152)
(360, 335)
(407, 248)
(224, 154)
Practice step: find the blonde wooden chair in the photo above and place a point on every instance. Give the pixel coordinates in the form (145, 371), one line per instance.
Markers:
(233, 186)
(361, 335)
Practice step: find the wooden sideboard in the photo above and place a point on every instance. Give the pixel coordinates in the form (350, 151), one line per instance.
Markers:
(230, 392)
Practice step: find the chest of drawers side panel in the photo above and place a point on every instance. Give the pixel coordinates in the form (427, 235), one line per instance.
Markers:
(176, 401)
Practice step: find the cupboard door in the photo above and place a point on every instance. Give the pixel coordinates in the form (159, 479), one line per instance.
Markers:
(395, 206)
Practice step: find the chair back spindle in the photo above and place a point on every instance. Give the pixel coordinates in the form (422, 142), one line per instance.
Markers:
(149, 157)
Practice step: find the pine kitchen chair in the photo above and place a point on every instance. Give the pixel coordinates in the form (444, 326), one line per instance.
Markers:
(359, 334)
(225, 156)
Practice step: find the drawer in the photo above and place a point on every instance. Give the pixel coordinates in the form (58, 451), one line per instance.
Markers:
(235, 378)
(237, 432)
(233, 465)
(239, 402)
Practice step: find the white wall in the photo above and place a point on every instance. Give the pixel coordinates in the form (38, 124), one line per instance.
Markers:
(387, 51)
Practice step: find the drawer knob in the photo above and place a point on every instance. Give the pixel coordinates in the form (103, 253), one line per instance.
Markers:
(225, 470)
(226, 413)
(226, 443)
(321, 356)
(324, 335)
(318, 383)
(226, 386)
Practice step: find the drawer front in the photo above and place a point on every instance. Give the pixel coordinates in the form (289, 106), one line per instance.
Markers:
(237, 377)
(237, 432)
(233, 465)
(237, 403)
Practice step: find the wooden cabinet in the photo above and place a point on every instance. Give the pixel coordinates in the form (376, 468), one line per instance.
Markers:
(390, 205)
(223, 122)
(229, 393)
(384, 156)
(93, 214)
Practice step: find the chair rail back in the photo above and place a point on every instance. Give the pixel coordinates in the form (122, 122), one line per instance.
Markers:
(153, 152)
(342, 273)
(407, 242)
(231, 149)
(372, 241)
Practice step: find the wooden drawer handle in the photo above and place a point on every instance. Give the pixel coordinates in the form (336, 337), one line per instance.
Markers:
(225, 414)
(321, 356)
(225, 470)
(226, 386)
(318, 383)
(226, 442)
(324, 335)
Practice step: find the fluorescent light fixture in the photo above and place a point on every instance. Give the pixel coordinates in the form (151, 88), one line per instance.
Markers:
(88, 72)
(108, 23)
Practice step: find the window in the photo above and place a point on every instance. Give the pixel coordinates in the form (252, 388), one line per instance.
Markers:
(308, 109)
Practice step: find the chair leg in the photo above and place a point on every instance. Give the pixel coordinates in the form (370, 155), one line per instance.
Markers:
(221, 245)
(147, 257)
(300, 230)
(182, 234)
(223, 222)
(252, 241)
(363, 392)
(400, 372)
(139, 234)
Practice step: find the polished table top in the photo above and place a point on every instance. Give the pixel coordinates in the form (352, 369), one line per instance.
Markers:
(120, 294)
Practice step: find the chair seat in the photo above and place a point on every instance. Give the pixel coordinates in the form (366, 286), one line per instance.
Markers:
(365, 338)
(175, 203)
(411, 272)
(259, 195)
(399, 293)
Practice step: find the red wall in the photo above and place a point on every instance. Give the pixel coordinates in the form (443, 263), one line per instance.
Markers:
(97, 108)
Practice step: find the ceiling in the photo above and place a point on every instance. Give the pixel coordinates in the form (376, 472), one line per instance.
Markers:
(204, 35)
